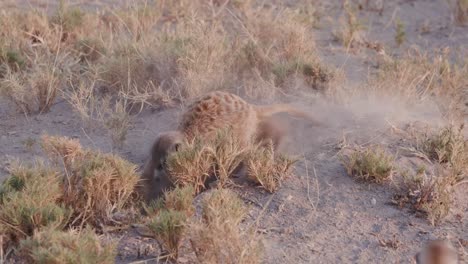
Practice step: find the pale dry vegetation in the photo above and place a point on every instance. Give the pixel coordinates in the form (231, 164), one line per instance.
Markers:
(114, 63)
(95, 184)
(371, 164)
(428, 189)
(54, 246)
(268, 169)
(420, 77)
(221, 220)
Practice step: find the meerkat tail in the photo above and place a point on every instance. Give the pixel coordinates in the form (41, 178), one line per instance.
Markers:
(266, 111)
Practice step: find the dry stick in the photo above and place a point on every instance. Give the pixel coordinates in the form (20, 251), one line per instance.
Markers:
(314, 206)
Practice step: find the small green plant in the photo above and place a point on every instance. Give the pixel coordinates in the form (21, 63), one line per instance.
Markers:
(29, 201)
(371, 164)
(73, 247)
(400, 35)
(169, 227)
(267, 169)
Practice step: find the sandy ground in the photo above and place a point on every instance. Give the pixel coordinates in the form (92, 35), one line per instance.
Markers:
(320, 215)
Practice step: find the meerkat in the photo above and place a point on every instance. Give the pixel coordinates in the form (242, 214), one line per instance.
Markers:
(437, 252)
(203, 118)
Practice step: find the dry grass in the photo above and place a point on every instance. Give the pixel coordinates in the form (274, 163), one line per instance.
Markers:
(430, 195)
(53, 246)
(180, 199)
(191, 165)
(228, 156)
(370, 164)
(351, 30)
(199, 47)
(95, 184)
(418, 77)
(446, 145)
(222, 214)
(169, 227)
(30, 201)
(268, 169)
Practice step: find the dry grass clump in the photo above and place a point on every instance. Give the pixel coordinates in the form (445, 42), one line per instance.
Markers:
(267, 169)
(371, 164)
(228, 155)
(180, 199)
(223, 212)
(53, 246)
(33, 90)
(418, 77)
(30, 201)
(446, 145)
(191, 165)
(277, 49)
(351, 29)
(169, 216)
(95, 184)
(169, 227)
(430, 195)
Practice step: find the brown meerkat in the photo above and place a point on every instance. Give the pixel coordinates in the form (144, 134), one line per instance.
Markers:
(203, 118)
(437, 252)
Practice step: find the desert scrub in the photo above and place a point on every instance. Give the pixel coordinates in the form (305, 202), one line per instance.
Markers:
(418, 77)
(222, 214)
(169, 227)
(351, 28)
(191, 165)
(96, 184)
(446, 145)
(278, 50)
(30, 201)
(268, 169)
(33, 90)
(73, 246)
(228, 155)
(372, 164)
(429, 195)
(180, 199)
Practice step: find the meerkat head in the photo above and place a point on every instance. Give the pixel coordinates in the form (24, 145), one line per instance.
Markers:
(437, 252)
(155, 172)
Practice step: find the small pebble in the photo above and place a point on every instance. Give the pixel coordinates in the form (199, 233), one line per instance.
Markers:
(373, 201)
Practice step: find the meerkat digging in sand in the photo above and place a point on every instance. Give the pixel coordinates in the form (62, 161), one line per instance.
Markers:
(204, 118)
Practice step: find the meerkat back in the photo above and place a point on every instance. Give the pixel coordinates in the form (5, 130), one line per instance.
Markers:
(219, 110)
